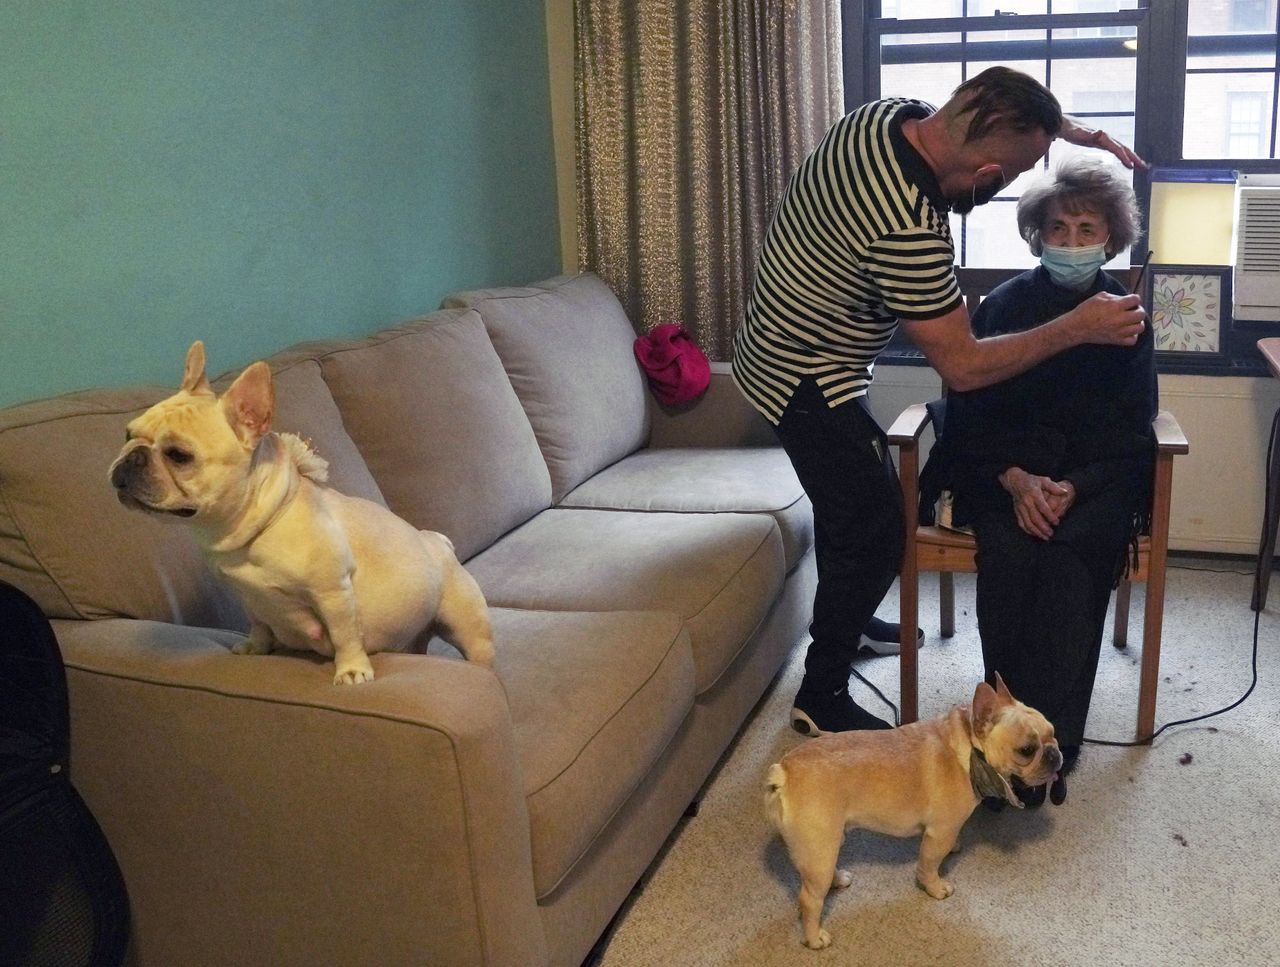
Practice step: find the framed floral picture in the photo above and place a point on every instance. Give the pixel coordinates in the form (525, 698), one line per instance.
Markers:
(1189, 307)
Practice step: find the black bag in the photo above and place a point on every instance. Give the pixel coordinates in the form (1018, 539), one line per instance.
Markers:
(62, 898)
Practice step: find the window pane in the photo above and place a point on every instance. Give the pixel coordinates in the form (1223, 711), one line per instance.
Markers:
(1095, 84)
(1033, 67)
(992, 240)
(927, 82)
(1094, 6)
(1228, 116)
(986, 8)
(921, 9)
(982, 55)
(1209, 17)
(1233, 59)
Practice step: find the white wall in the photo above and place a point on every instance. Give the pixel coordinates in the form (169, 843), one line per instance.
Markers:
(1218, 488)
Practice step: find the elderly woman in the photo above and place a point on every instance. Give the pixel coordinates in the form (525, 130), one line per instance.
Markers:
(1052, 469)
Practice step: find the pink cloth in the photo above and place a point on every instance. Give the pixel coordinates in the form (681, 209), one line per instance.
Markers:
(678, 370)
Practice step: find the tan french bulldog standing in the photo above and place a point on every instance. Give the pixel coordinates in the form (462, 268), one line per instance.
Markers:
(926, 777)
(315, 569)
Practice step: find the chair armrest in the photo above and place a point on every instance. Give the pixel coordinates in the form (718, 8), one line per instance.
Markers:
(1169, 435)
(720, 417)
(255, 806)
(911, 422)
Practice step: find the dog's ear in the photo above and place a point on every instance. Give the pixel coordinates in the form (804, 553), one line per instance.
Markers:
(250, 404)
(988, 701)
(985, 705)
(1002, 690)
(193, 377)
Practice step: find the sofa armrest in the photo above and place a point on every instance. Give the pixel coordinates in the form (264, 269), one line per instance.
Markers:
(261, 813)
(721, 417)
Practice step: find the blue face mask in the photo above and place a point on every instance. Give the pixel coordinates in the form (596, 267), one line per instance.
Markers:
(1073, 268)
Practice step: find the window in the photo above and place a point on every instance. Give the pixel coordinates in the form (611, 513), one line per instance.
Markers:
(1229, 104)
(1190, 84)
(1245, 137)
(1205, 74)
(1084, 50)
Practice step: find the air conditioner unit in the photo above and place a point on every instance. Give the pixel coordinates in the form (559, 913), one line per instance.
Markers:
(1256, 279)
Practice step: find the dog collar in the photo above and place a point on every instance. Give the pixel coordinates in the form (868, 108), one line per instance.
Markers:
(987, 782)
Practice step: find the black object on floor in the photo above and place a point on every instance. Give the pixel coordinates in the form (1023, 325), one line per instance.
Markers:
(62, 898)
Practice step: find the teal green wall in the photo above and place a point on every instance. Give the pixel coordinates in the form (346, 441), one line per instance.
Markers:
(256, 172)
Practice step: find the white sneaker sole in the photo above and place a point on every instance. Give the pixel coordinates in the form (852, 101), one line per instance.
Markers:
(885, 647)
(805, 725)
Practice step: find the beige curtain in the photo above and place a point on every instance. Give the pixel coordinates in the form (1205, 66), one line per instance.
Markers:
(691, 116)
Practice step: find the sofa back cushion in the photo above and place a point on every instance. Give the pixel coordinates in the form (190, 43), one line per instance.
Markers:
(305, 406)
(67, 542)
(566, 345)
(434, 416)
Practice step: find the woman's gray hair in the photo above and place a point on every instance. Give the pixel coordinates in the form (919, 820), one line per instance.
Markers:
(1079, 184)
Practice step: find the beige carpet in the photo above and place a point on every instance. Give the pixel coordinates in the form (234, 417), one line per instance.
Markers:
(1162, 856)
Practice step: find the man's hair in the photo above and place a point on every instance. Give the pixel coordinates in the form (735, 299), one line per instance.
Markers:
(1081, 184)
(1000, 97)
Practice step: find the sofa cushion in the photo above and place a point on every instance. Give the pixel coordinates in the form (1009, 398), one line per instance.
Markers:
(64, 537)
(756, 480)
(435, 418)
(595, 699)
(566, 344)
(719, 572)
(305, 406)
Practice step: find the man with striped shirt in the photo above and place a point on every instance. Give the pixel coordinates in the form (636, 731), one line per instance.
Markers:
(859, 244)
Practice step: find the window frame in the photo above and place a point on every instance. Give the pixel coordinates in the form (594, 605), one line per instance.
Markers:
(1162, 27)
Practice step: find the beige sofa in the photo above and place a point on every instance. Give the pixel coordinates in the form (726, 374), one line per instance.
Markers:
(648, 572)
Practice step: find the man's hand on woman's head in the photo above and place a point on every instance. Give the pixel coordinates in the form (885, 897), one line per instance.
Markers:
(1038, 502)
(1074, 132)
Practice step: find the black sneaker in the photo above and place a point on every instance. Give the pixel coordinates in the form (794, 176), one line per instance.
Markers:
(821, 713)
(883, 637)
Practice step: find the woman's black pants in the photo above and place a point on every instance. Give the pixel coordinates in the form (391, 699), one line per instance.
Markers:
(1042, 605)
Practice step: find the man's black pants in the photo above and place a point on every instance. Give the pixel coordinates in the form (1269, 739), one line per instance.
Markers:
(842, 459)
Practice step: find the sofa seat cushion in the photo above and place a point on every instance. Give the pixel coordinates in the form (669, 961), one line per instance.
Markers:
(595, 698)
(566, 344)
(719, 572)
(434, 416)
(753, 480)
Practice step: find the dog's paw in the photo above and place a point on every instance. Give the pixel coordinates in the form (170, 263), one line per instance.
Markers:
(842, 879)
(353, 673)
(939, 889)
(250, 647)
(820, 942)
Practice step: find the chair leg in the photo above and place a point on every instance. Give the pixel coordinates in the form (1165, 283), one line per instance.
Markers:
(946, 604)
(1123, 592)
(908, 620)
(1271, 519)
(1153, 613)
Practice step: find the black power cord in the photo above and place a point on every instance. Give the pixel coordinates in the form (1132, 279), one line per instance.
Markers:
(1268, 505)
(1257, 615)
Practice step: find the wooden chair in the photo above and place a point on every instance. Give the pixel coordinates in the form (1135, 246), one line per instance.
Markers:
(949, 552)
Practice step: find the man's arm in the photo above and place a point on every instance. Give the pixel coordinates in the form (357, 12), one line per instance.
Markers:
(967, 363)
(1086, 137)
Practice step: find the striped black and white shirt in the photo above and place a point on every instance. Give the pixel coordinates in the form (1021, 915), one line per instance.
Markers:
(859, 241)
